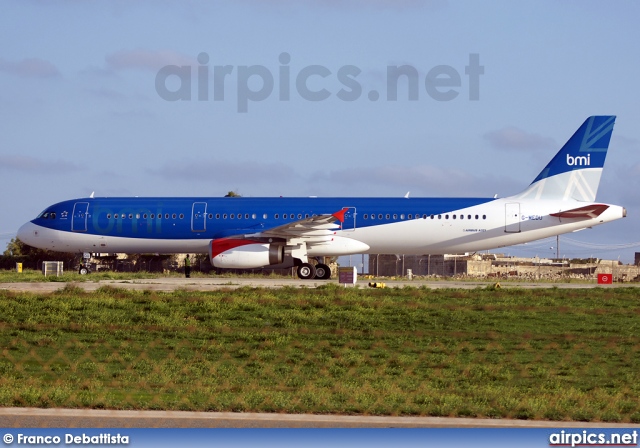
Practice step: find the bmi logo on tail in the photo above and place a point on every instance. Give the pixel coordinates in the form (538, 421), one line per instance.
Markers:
(579, 160)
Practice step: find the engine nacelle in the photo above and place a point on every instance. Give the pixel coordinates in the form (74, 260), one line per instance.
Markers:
(244, 254)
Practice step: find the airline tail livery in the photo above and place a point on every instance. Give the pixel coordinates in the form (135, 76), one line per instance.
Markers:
(284, 232)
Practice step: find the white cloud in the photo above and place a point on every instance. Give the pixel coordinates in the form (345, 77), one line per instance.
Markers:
(38, 166)
(511, 137)
(421, 180)
(361, 4)
(141, 59)
(30, 68)
(228, 173)
(625, 142)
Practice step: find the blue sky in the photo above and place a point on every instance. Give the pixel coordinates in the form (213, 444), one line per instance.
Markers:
(80, 110)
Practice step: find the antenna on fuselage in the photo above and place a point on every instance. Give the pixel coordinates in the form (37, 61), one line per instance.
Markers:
(407, 195)
(92, 193)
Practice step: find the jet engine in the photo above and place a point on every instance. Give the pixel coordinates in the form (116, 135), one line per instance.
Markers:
(244, 253)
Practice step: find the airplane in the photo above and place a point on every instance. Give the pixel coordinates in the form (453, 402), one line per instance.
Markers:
(285, 232)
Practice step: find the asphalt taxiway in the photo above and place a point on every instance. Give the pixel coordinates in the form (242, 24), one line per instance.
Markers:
(216, 283)
(92, 418)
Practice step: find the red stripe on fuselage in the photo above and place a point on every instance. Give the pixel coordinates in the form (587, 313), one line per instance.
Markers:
(224, 244)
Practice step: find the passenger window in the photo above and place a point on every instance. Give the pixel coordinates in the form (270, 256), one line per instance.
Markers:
(264, 216)
(365, 216)
(217, 215)
(446, 216)
(395, 216)
(379, 215)
(439, 216)
(130, 215)
(276, 216)
(484, 216)
(53, 215)
(166, 216)
(402, 216)
(246, 216)
(454, 216)
(224, 216)
(239, 215)
(173, 216)
(232, 216)
(299, 216)
(181, 216)
(387, 216)
(108, 215)
(410, 216)
(144, 216)
(210, 215)
(373, 216)
(468, 216)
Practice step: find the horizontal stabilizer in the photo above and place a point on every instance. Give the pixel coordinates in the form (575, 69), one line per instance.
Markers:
(590, 211)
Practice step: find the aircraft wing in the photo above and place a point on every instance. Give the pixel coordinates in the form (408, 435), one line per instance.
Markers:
(316, 228)
(590, 211)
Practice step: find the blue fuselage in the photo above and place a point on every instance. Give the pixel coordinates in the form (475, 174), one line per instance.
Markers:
(211, 218)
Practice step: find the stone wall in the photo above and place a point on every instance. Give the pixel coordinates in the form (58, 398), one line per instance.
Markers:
(496, 267)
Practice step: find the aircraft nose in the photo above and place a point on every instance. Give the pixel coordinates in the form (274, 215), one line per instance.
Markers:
(28, 234)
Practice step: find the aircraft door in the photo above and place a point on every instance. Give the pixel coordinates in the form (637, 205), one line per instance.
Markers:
(79, 217)
(512, 218)
(199, 217)
(349, 224)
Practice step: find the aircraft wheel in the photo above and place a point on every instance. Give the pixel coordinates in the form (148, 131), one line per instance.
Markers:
(306, 271)
(323, 272)
(83, 270)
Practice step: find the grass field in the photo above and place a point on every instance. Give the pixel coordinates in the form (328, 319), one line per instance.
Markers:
(507, 353)
(33, 276)
(30, 275)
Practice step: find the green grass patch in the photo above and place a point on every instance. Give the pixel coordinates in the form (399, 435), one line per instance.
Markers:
(72, 275)
(507, 353)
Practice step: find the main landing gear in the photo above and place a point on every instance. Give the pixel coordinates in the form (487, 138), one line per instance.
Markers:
(307, 271)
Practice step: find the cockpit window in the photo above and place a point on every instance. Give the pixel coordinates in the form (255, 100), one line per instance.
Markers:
(47, 215)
